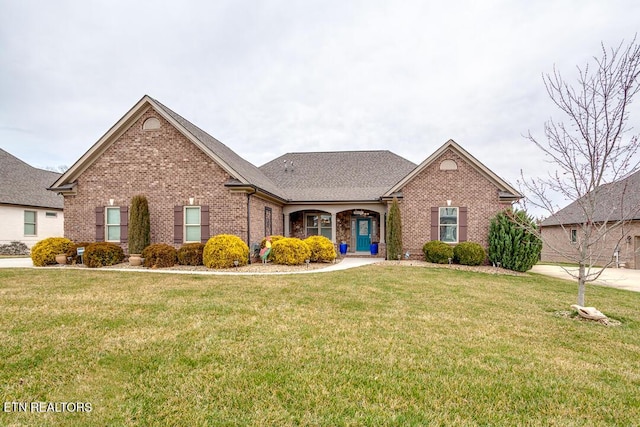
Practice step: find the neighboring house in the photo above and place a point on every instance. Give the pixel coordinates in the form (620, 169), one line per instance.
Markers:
(617, 201)
(197, 187)
(28, 212)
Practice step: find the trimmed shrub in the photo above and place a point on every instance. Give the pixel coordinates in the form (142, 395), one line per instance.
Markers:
(44, 252)
(290, 251)
(191, 254)
(73, 250)
(14, 248)
(394, 231)
(222, 250)
(513, 242)
(469, 253)
(322, 249)
(139, 233)
(102, 254)
(437, 252)
(159, 255)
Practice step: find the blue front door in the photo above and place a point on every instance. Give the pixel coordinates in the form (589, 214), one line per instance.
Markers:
(363, 234)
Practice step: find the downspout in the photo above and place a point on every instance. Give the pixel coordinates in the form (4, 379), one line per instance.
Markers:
(249, 221)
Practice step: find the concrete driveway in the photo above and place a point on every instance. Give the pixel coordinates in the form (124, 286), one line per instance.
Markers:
(620, 278)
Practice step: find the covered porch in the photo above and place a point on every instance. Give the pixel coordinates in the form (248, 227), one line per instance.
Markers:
(356, 225)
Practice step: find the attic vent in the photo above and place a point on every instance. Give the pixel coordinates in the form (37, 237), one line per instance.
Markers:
(151, 123)
(448, 165)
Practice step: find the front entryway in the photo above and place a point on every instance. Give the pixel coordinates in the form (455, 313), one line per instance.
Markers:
(363, 234)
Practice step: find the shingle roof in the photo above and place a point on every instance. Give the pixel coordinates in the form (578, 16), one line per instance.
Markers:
(337, 176)
(615, 201)
(22, 184)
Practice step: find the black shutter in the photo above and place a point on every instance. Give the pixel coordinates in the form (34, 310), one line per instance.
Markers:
(100, 224)
(178, 222)
(205, 232)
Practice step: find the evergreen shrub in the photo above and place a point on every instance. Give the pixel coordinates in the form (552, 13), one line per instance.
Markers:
(72, 251)
(159, 255)
(513, 241)
(102, 254)
(437, 252)
(469, 253)
(44, 252)
(322, 249)
(191, 254)
(394, 231)
(222, 250)
(139, 234)
(290, 251)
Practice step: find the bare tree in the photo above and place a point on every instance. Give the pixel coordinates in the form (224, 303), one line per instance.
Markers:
(592, 150)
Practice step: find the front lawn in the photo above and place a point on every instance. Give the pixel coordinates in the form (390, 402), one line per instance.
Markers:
(379, 345)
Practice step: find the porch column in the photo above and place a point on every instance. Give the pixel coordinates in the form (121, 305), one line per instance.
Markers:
(333, 228)
(383, 225)
(287, 225)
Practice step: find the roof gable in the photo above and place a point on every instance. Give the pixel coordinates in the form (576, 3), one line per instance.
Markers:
(242, 171)
(506, 192)
(24, 185)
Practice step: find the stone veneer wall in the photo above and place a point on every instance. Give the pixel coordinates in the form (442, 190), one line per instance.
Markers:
(168, 169)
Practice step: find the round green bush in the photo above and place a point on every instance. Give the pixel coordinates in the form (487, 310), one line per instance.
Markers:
(102, 254)
(290, 251)
(437, 252)
(44, 252)
(322, 249)
(222, 250)
(159, 255)
(469, 253)
(191, 254)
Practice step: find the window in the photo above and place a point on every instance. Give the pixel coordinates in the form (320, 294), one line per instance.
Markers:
(319, 225)
(448, 225)
(151, 124)
(268, 222)
(574, 235)
(192, 224)
(112, 226)
(51, 214)
(30, 220)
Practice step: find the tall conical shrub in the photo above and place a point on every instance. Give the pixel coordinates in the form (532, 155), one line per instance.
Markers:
(139, 225)
(394, 231)
(513, 242)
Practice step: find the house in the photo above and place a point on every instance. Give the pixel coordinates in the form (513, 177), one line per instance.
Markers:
(198, 187)
(617, 201)
(28, 212)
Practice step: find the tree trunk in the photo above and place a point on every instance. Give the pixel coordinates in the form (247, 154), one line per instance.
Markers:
(581, 284)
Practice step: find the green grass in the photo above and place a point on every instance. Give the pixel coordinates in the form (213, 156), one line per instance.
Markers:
(370, 346)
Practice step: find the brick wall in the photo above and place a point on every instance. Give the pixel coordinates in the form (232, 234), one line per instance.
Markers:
(557, 246)
(168, 169)
(465, 187)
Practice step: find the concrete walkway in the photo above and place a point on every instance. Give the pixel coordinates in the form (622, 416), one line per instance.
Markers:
(621, 278)
(345, 264)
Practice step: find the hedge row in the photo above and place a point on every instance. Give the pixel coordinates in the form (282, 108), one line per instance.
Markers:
(465, 253)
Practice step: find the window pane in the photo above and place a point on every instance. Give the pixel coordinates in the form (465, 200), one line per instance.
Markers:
(113, 233)
(192, 216)
(29, 229)
(192, 233)
(449, 233)
(30, 217)
(326, 232)
(113, 217)
(312, 221)
(448, 215)
(325, 221)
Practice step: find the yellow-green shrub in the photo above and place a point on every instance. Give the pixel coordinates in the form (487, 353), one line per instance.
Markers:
(102, 254)
(44, 252)
(222, 250)
(290, 251)
(322, 249)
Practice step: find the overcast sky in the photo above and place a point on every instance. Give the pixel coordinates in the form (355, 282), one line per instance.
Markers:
(270, 77)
